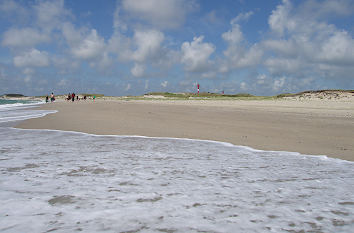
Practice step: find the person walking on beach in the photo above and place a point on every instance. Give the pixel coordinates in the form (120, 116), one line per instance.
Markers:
(52, 98)
(47, 99)
(73, 97)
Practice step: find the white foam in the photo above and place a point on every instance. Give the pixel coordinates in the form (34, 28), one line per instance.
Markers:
(19, 105)
(70, 181)
(20, 111)
(66, 181)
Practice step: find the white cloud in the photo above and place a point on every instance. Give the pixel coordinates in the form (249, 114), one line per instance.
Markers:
(138, 70)
(148, 44)
(243, 86)
(146, 48)
(303, 45)
(234, 36)
(164, 84)
(278, 84)
(237, 54)
(195, 55)
(337, 49)
(283, 66)
(28, 71)
(242, 17)
(105, 61)
(261, 79)
(118, 24)
(72, 35)
(26, 37)
(90, 47)
(63, 83)
(13, 9)
(128, 87)
(285, 47)
(32, 58)
(327, 8)
(146, 84)
(86, 45)
(280, 20)
(159, 13)
(50, 14)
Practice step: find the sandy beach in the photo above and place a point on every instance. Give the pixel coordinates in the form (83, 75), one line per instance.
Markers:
(308, 127)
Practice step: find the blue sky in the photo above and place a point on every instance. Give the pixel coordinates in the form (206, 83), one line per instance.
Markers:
(132, 47)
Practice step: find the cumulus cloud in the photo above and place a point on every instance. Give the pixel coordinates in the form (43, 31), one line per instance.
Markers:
(84, 45)
(63, 83)
(337, 49)
(159, 13)
(90, 47)
(279, 20)
(13, 9)
(306, 45)
(196, 54)
(261, 79)
(138, 70)
(237, 54)
(148, 43)
(242, 17)
(326, 9)
(278, 83)
(164, 84)
(32, 58)
(243, 86)
(234, 36)
(25, 37)
(50, 14)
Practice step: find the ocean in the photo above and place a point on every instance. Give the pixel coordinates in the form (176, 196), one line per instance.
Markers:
(69, 181)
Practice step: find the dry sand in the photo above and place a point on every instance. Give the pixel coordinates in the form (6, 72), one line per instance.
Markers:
(309, 127)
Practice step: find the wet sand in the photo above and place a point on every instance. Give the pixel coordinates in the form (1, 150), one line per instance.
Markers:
(308, 127)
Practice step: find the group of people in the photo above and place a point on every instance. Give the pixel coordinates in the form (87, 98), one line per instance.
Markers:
(71, 96)
(52, 98)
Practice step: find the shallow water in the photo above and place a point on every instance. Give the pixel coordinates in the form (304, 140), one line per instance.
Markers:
(66, 181)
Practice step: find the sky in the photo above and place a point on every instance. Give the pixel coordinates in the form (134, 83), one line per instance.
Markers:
(133, 47)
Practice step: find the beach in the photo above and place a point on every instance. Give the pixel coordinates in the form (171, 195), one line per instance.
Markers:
(69, 166)
(313, 127)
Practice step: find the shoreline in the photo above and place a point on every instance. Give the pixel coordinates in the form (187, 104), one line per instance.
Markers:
(313, 128)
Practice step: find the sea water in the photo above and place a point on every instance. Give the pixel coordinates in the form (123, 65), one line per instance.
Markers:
(68, 181)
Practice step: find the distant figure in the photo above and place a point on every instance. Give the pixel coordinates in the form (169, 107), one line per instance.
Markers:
(94, 97)
(52, 97)
(85, 97)
(73, 96)
(69, 97)
(47, 99)
(77, 97)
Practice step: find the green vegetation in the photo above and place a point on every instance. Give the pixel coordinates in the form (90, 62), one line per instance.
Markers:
(312, 92)
(202, 95)
(14, 95)
(97, 95)
(286, 95)
(193, 95)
